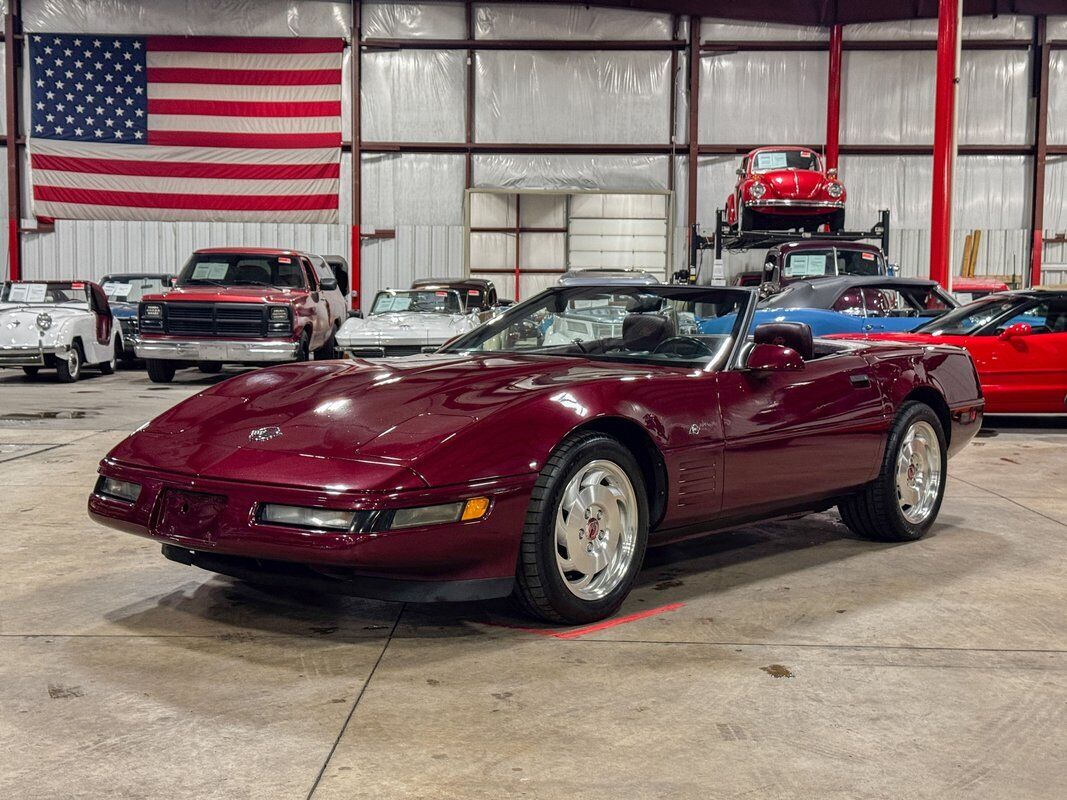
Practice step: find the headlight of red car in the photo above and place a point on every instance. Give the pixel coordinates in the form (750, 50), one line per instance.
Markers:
(757, 191)
(835, 189)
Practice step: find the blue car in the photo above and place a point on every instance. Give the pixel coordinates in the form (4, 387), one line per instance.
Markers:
(124, 291)
(850, 304)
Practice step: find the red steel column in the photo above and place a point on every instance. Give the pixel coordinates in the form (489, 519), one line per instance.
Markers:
(948, 56)
(357, 158)
(12, 54)
(833, 99)
(1037, 200)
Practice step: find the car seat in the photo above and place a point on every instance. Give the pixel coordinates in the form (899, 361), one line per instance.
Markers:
(794, 335)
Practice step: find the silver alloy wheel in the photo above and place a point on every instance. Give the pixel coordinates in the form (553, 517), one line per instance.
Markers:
(73, 361)
(596, 529)
(918, 472)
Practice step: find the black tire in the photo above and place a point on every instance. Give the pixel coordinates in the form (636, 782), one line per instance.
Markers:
(69, 368)
(210, 367)
(539, 587)
(328, 351)
(875, 512)
(31, 372)
(303, 348)
(837, 220)
(159, 370)
(750, 220)
(108, 367)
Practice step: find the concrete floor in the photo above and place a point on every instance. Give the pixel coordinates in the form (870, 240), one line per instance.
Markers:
(797, 662)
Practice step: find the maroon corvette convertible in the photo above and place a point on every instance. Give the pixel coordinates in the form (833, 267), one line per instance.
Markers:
(541, 453)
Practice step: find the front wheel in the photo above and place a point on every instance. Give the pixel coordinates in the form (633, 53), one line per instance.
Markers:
(902, 503)
(303, 347)
(31, 372)
(837, 220)
(328, 351)
(160, 370)
(69, 367)
(585, 533)
(210, 367)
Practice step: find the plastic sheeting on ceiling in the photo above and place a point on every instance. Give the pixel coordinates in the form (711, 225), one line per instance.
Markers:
(190, 17)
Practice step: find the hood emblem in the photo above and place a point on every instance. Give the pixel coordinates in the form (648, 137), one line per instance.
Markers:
(265, 434)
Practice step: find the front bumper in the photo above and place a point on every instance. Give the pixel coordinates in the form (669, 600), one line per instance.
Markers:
(483, 549)
(227, 350)
(28, 355)
(797, 204)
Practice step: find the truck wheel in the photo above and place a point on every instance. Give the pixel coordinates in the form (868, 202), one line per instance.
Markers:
(210, 367)
(108, 367)
(31, 372)
(160, 371)
(585, 533)
(902, 503)
(328, 350)
(303, 348)
(69, 368)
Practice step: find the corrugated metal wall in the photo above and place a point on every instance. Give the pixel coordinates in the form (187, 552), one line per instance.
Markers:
(599, 97)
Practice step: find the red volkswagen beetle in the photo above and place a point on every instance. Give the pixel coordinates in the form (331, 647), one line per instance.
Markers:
(780, 188)
(539, 454)
(1019, 344)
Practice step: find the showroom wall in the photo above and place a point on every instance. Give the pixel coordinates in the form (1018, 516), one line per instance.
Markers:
(599, 97)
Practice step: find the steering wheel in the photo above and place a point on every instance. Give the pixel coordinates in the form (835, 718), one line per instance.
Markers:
(685, 346)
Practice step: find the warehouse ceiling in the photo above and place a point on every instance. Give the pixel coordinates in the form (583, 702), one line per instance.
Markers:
(831, 12)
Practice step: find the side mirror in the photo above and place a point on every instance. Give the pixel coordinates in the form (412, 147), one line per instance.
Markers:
(740, 172)
(773, 358)
(328, 284)
(1015, 330)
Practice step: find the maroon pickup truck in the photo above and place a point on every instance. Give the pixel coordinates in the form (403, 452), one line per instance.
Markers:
(242, 306)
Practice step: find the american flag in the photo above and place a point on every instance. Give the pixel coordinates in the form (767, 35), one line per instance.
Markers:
(185, 128)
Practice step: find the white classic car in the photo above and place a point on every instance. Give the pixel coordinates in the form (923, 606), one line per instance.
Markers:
(61, 325)
(405, 321)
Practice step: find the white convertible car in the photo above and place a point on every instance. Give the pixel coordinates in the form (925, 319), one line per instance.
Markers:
(60, 325)
(403, 322)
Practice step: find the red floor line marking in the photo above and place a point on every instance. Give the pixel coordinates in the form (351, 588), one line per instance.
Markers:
(611, 623)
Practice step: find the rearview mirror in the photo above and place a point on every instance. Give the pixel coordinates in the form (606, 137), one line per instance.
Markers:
(1016, 329)
(328, 284)
(773, 358)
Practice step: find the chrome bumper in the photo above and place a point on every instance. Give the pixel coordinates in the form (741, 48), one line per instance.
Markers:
(216, 350)
(28, 355)
(773, 203)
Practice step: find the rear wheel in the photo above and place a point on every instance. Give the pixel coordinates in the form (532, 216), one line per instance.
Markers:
(210, 367)
(159, 370)
(69, 367)
(108, 367)
(585, 533)
(902, 503)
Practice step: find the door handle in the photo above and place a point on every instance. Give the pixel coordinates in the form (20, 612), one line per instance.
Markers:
(860, 381)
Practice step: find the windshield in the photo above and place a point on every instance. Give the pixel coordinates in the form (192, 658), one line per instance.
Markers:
(131, 288)
(660, 324)
(45, 293)
(969, 318)
(236, 269)
(434, 302)
(767, 160)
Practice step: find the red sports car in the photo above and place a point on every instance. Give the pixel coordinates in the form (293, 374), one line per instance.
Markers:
(1019, 344)
(780, 188)
(539, 454)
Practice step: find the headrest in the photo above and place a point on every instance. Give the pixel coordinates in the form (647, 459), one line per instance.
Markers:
(645, 331)
(794, 335)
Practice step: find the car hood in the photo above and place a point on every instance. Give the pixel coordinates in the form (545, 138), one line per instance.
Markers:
(18, 324)
(419, 327)
(799, 183)
(354, 424)
(228, 294)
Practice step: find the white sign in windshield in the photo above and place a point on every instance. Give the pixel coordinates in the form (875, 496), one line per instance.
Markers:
(210, 271)
(770, 161)
(806, 266)
(114, 289)
(27, 293)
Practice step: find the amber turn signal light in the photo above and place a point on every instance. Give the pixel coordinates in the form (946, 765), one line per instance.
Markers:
(475, 508)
